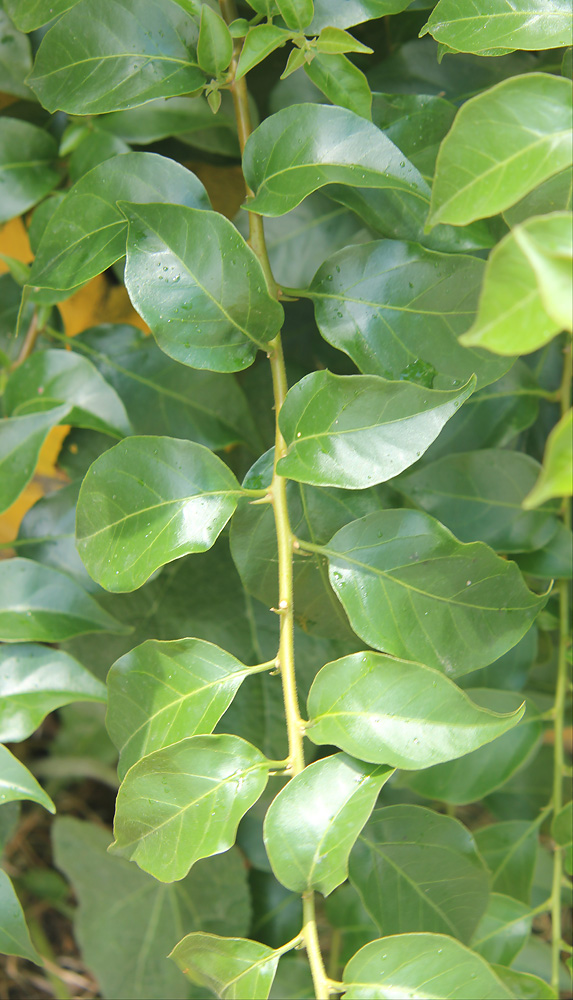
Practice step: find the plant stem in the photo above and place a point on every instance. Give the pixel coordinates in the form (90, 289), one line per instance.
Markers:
(310, 933)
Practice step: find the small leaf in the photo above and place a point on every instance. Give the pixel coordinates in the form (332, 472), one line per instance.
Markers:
(389, 711)
(135, 51)
(312, 824)
(161, 692)
(295, 60)
(27, 174)
(556, 474)
(184, 803)
(342, 82)
(39, 604)
(215, 44)
(34, 680)
(354, 431)
(232, 968)
(503, 929)
(21, 439)
(503, 143)
(17, 783)
(15, 57)
(334, 40)
(259, 43)
(297, 14)
(510, 851)
(493, 24)
(344, 15)
(147, 501)
(199, 286)
(14, 934)
(411, 589)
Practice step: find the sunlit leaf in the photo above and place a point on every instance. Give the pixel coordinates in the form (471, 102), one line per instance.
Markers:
(556, 476)
(525, 24)
(503, 929)
(232, 968)
(14, 934)
(16, 782)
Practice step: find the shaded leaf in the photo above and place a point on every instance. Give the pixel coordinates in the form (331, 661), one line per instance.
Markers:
(21, 439)
(503, 929)
(233, 968)
(27, 174)
(553, 195)
(344, 15)
(30, 14)
(345, 912)
(14, 934)
(524, 986)
(554, 561)
(342, 82)
(481, 25)
(416, 123)
(16, 782)
(188, 118)
(15, 58)
(47, 534)
(556, 474)
(214, 45)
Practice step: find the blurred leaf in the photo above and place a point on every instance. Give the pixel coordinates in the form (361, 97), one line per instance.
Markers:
(556, 476)
(233, 968)
(14, 934)
(27, 174)
(16, 783)
(487, 25)
(15, 56)
(502, 930)
(21, 439)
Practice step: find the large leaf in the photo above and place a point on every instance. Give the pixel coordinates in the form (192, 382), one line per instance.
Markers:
(86, 233)
(232, 968)
(188, 118)
(344, 15)
(162, 692)
(416, 123)
(184, 803)
(127, 922)
(27, 174)
(355, 431)
(15, 58)
(34, 680)
(503, 929)
(528, 288)
(503, 143)
(17, 783)
(21, 439)
(14, 934)
(312, 824)
(402, 966)
(397, 310)
(47, 534)
(39, 604)
(134, 51)
(416, 870)
(304, 147)
(30, 14)
(51, 377)
(487, 25)
(478, 495)
(556, 474)
(553, 195)
(395, 712)
(147, 501)
(199, 286)
(411, 589)
(510, 851)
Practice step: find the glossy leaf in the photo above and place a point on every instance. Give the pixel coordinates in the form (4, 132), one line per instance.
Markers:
(199, 287)
(420, 871)
(527, 288)
(135, 51)
(21, 439)
(510, 850)
(15, 58)
(232, 968)
(259, 43)
(387, 303)
(342, 82)
(215, 44)
(344, 15)
(304, 147)
(297, 14)
(34, 680)
(27, 174)
(358, 430)
(556, 474)
(478, 495)
(159, 499)
(14, 934)
(52, 377)
(41, 605)
(502, 930)
(399, 713)
(335, 40)
(188, 118)
(411, 589)
(553, 195)
(416, 123)
(554, 561)
(471, 778)
(184, 803)
(17, 783)
(475, 27)
(87, 232)
(402, 966)
(30, 14)
(503, 143)
(162, 692)
(312, 824)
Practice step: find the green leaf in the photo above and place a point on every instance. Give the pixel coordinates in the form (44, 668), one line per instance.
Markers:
(14, 934)
(15, 58)
(396, 712)
(524, 986)
(345, 912)
(41, 605)
(333, 40)
(411, 589)
(563, 835)
(387, 303)
(312, 824)
(259, 43)
(17, 783)
(554, 561)
(471, 778)
(215, 44)
(199, 286)
(354, 431)
(556, 474)
(304, 147)
(403, 965)
(232, 968)
(503, 929)
(553, 195)
(30, 14)
(147, 501)
(184, 803)
(27, 174)
(416, 123)
(297, 14)
(96, 148)
(47, 534)
(478, 495)
(344, 15)
(481, 25)
(127, 922)
(342, 82)
(52, 377)
(135, 51)
(21, 439)
(34, 680)
(503, 143)
(87, 232)
(188, 118)
(510, 850)
(161, 692)
(527, 290)
(417, 870)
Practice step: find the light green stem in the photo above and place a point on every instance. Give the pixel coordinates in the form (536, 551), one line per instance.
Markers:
(320, 979)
